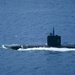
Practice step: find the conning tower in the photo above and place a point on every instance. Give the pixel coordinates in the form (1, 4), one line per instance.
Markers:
(53, 40)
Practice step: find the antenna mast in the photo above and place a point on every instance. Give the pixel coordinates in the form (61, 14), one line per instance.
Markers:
(53, 31)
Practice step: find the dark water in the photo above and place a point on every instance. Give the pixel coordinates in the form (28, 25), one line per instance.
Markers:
(29, 22)
(37, 62)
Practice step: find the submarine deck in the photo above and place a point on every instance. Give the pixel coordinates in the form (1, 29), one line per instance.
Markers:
(17, 46)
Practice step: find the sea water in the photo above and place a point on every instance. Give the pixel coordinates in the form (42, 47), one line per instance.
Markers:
(29, 22)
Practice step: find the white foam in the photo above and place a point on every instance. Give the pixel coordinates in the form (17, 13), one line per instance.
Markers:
(44, 48)
(4, 47)
(49, 49)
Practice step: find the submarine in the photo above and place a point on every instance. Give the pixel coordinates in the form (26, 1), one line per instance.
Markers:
(52, 41)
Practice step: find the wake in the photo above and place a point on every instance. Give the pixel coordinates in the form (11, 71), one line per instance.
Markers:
(48, 49)
(42, 48)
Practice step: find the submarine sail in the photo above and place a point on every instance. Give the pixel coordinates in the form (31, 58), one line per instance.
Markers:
(53, 40)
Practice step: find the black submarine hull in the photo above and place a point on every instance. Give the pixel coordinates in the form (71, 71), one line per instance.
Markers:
(16, 47)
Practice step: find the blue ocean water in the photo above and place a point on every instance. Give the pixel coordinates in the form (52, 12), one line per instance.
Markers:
(29, 22)
(37, 62)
